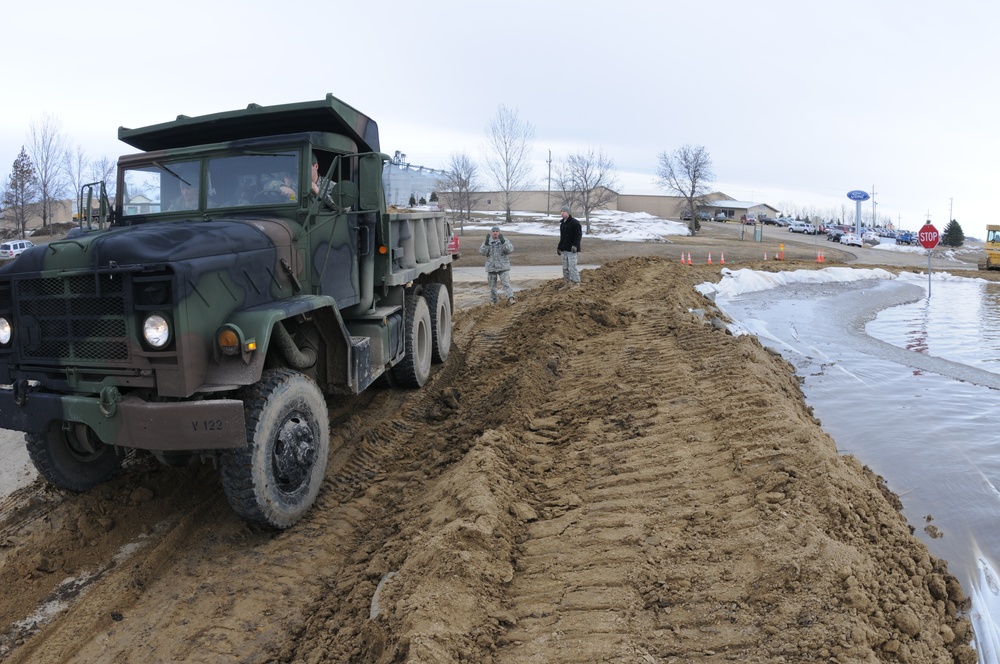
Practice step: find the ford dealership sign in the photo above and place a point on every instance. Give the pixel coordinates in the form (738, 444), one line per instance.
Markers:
(858, 195)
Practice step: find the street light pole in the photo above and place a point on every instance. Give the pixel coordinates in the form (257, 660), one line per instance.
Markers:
(874, 208)
(548, 195)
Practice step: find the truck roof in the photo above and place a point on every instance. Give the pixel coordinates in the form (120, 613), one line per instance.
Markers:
(325, 115)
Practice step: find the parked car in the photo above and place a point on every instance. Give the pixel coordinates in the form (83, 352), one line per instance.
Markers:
(906, 237)
(802, 227)
(852, 239)
(703, 216)
(833, 234)
(720, 216)
(14, 248)
(870, 237)
(770, 221)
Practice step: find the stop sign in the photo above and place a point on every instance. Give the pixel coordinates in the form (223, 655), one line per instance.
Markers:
(928, 236)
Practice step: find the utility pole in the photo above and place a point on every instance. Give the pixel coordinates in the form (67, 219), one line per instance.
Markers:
(874, 208)
(548, 195)
(951, 203)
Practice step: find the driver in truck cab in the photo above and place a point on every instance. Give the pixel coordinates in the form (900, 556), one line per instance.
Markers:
(283, 184)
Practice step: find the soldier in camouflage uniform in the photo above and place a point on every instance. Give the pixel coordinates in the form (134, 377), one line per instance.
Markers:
(497, 250)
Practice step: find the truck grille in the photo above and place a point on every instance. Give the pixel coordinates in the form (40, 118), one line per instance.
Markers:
(74, 319)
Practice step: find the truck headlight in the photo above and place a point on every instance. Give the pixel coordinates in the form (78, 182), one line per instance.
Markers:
(156, 330)
(4, 332)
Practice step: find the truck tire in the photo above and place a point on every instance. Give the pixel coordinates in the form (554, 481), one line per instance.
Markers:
(275, 479)
(439, 304)
(69, 461)
(415, 367)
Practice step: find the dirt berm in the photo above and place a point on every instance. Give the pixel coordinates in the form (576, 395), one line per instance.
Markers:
(596, 475)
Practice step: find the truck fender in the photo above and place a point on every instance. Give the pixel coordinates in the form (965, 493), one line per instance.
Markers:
(260, 327)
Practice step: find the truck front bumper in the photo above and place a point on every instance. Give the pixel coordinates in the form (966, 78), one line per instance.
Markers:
(128, 421)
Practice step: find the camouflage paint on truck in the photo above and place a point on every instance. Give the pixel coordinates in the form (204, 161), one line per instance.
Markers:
(225, 288)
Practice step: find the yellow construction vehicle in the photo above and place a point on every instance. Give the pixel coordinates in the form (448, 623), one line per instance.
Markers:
(992, 247)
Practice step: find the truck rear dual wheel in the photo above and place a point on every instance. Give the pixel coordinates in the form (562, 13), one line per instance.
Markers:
(415, 367)
(275, 479)
(72, 458)
(439, 303)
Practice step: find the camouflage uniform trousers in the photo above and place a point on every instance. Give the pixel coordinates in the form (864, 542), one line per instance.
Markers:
(570, 273)
(504, 279)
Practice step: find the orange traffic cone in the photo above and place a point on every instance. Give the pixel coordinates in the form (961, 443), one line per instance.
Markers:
(765, 255)
(722, 258)
(710, 258)
(689, 259)
(819, 256)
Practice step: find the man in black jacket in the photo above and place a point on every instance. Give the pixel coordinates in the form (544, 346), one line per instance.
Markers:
(570, 234)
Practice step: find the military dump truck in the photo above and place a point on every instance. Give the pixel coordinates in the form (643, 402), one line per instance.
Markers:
(246, 272)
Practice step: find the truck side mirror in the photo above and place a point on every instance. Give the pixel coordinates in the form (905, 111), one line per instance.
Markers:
(370, 172)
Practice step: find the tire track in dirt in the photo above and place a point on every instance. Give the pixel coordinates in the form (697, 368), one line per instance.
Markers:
(441, 421)
(576, 580)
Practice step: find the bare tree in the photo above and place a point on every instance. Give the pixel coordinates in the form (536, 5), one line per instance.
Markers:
(81, 170)
(48, 149)
(508, 144)
(588, 181)
(21, 190)
(103, 169)
(687, 172)
(77, 168)
(461, 183)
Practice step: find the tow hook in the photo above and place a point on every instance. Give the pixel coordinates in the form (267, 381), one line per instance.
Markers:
(20, 391)
(109, 401)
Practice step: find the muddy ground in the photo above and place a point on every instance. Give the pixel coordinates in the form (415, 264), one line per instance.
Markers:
(596, 475)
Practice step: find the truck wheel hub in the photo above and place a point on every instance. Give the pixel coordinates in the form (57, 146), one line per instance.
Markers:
(294, 453)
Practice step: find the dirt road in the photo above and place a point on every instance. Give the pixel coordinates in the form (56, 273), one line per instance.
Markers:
(596, 475)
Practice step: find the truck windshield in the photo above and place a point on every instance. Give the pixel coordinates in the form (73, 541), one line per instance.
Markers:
(254, 179)
(162, 187)
(179, 186)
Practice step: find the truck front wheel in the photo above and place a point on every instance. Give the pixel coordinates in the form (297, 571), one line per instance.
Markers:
(71, 456)
(439, 303)
(415, 367)
(275, 479)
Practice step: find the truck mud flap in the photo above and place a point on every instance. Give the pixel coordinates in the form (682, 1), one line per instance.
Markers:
(361, 363)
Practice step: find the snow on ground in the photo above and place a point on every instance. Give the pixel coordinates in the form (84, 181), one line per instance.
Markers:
(604, 224)
(738, 282)
(946, 254)
(643, 227)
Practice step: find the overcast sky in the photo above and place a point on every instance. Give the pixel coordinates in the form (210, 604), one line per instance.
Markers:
(796, 102)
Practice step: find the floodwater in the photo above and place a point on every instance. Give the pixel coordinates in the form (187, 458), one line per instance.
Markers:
(909, 385)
